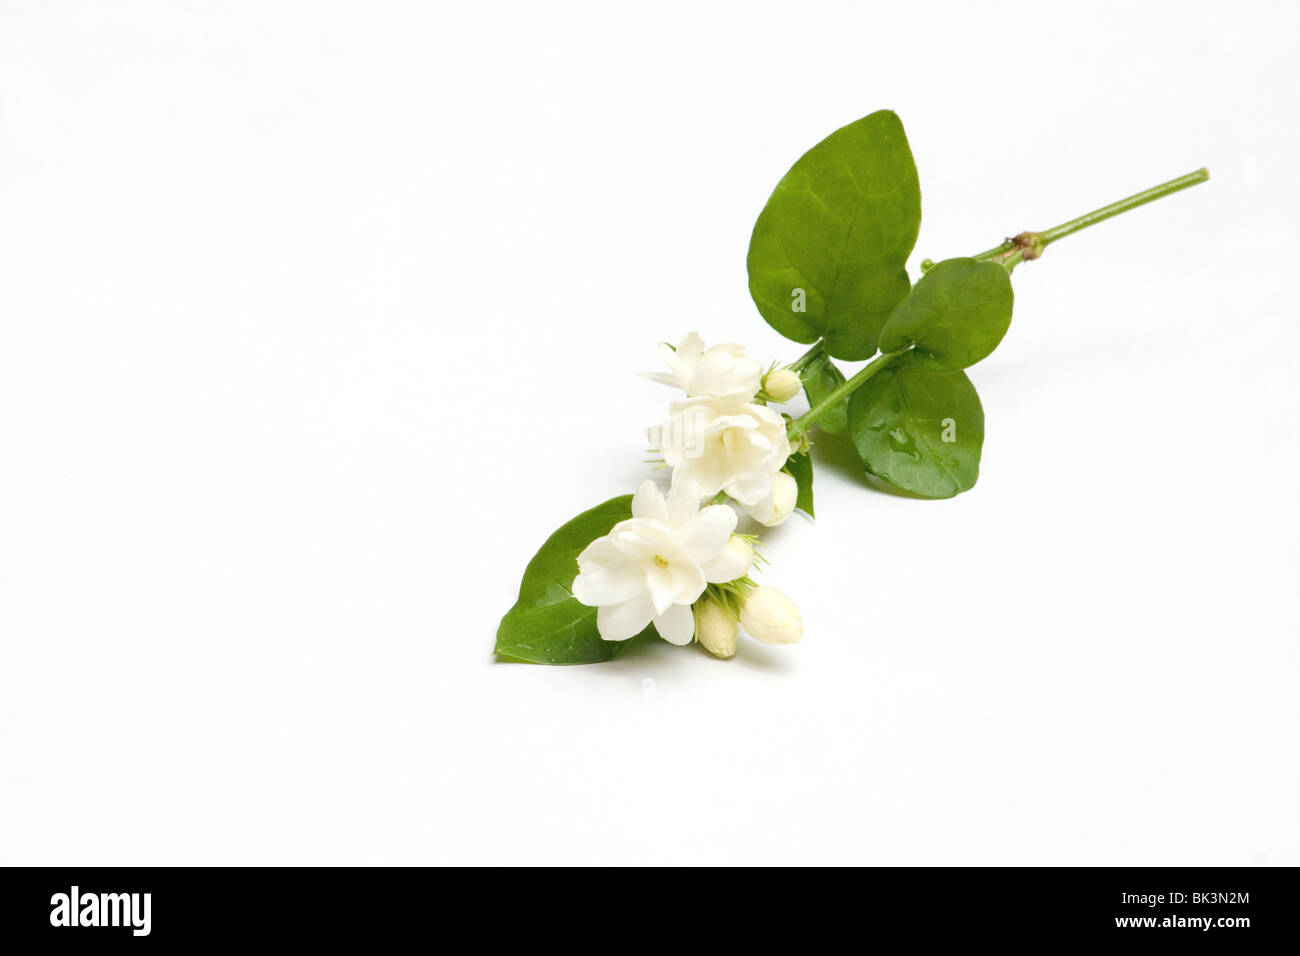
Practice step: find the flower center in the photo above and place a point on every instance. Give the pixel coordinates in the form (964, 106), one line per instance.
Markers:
(661, 561)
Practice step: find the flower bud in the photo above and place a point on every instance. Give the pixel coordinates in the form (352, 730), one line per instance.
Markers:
(740, 553)
(782, 384)
(785, 492)
(777, 507)
(769, 616)
(715, 629)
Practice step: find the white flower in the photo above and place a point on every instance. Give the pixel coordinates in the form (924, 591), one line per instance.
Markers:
(779, 503)
(725, 445)
(715, 629)
(782, 384)
(769, 616)
(722, 371)
(653, 566)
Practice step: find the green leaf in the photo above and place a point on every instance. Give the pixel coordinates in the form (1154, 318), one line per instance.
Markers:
(918, 430)
(800, 468)
(956, 315)
(820, 378)
(548, 625)
(829, 250)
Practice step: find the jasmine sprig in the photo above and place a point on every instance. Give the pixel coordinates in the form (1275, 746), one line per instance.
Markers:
(827, 267)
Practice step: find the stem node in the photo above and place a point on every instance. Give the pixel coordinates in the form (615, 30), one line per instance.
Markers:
(1029, 244)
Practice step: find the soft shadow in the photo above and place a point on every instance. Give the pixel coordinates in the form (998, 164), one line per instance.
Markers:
(651, 657)
(836, 453)
(1042, 363)
(751, 655)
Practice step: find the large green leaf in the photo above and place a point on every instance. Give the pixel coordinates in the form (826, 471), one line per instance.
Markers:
(548, 625)
(919, 430)
(956, 315)
(834, 238)
(820, 378)
(801, 469)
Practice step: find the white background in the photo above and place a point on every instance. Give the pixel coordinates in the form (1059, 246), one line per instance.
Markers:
(316, 319)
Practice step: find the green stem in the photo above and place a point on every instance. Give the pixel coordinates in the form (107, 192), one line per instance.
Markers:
(1030, 245)
(1022, 248)
(803, 361)
(809, 418)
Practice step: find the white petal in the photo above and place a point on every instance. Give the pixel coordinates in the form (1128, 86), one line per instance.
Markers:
(674, 456)
(642, 538)
(676, 625)
(609, 584)
(722, 373)
(728, 419)
(734, 562)
(708, 472)
(688, 581)
(690, 348)
(678, 580)
(760, 509)
(668, 354)
(600, 553)
(765, 414)
(663, 378)
(683, 502)
(750, 489)
(663, 588)
(618, 622)
(706, 535)
(648, 502)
